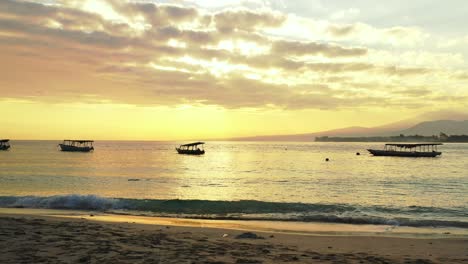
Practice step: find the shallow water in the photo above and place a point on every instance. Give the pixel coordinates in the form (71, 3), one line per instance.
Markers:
(285, 181)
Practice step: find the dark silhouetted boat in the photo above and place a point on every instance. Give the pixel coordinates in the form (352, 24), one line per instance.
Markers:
(77, 145)
(191, 148)
(408, 150)
(4, 144)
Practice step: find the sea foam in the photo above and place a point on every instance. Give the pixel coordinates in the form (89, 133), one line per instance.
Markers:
(251, 210)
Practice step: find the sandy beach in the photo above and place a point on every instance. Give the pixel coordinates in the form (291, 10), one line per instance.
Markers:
(54, 236)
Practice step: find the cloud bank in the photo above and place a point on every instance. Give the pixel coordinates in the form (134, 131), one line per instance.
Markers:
(148, 53)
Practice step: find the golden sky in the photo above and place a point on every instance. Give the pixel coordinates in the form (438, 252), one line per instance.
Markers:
(171, 70)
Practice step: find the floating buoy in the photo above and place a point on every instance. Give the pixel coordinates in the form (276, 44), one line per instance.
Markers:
(327, 159)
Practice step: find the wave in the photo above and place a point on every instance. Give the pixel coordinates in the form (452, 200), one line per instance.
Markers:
(416, 216)
(74, 201)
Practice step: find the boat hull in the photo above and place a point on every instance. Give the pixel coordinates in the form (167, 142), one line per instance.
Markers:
(4, 147)
(414, 154)
(190, 152)
(75, 148)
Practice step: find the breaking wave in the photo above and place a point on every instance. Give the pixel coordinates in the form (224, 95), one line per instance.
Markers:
(415, 216)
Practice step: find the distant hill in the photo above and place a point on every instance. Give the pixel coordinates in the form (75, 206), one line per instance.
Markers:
(348, 132)
(427, 128)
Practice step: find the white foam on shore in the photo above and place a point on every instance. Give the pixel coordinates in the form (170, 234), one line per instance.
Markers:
(326, 229)
(250, 210)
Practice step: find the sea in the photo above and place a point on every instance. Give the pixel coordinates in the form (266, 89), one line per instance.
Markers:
(274, 181)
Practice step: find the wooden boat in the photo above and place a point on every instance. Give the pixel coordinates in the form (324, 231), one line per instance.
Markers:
(191, 149)
(4, 144)
(408, 150)
(77, 145)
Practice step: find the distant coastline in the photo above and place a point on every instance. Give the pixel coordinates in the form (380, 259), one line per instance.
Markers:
(422, 131)
(442, 138)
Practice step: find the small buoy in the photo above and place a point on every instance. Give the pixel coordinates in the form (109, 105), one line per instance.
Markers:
(327, 159)
(357, 153)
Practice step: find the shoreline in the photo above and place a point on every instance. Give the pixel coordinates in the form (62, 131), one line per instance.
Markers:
(286, 227)
(39, 236)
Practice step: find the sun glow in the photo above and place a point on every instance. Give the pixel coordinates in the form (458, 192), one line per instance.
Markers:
(176, 43)
(137, 23)
(245, 48)
(104, 9)
(104, 121)
(215, 67)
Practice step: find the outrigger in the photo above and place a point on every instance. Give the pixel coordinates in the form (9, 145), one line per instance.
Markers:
(408, 150)
(191, 148)
(77, 145)
(4, 144)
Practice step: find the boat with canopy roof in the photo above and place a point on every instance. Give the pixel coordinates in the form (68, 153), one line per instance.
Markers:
(191, 148)
(4, 144)
(408, 150)
(77, 145)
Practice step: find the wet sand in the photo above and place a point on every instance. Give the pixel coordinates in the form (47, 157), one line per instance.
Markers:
(32, 236)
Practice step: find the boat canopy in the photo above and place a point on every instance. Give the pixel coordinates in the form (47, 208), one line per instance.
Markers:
(4, 140)
(193, 144)
(79, 141)
(413, 145)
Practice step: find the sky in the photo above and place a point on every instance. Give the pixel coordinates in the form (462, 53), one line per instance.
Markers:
(186, 69)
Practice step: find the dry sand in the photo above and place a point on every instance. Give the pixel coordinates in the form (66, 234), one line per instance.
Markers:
(63, 237)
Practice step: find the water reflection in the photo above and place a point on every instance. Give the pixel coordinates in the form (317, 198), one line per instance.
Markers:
(292, 172)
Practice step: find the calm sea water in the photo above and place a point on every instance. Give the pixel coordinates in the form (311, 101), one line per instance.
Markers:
(259, 180)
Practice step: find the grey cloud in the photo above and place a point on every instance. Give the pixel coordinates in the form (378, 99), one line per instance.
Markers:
(108, 51)
(414, 92)
(190, 36)
(228, 20)
(274, 61)
(99, 38)
(394, 89)
(178, 13)
(312, 48)
(404, 71)
(156, 15)
(462, 76)
(29, 9)
(453, 98)
(340, 67)
(36, 13)
(398, 31)
(341, 31)
(237, 92)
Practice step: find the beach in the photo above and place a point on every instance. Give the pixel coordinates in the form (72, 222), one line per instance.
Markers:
(63, 236)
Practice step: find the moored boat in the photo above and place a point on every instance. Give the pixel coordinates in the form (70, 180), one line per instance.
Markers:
(408, 150)
(77, 145)
(4, 144)
(191, 149)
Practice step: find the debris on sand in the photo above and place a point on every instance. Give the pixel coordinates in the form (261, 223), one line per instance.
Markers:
(249, 235)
